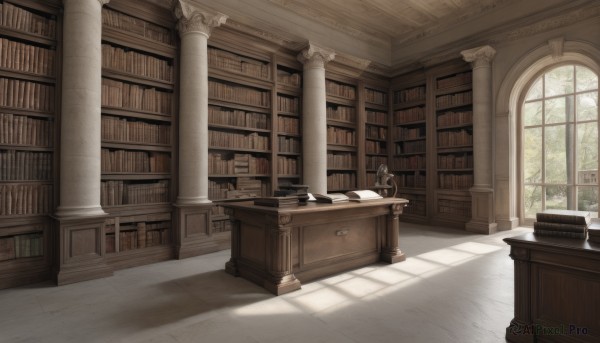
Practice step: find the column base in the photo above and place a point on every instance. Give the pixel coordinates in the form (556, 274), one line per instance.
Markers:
(482, 211)
(72, 212)
(507, 224)
(185, 201)
(194, 234)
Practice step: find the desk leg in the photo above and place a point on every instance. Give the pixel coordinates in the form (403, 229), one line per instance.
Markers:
(231, 266)
(521, 328)
(391, 251)
(280, 278)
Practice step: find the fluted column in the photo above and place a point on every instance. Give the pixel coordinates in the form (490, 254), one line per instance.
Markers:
(482, 192)
(314, 117)
(194, 27)
(80, 116)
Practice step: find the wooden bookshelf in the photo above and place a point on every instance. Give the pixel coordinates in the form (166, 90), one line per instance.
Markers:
(376, 131)
(139, 74)
(29, 51)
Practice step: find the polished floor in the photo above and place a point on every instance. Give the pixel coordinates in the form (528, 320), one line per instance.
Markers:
(453, 287)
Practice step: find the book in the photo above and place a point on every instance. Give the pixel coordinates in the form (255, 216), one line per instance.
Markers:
(594, 232)
(565, 234)
(564, 216)
(289, 201)
(331, 198)
(559, 227)
(363, 195)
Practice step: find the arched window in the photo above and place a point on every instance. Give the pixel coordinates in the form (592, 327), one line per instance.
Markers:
(559, 142)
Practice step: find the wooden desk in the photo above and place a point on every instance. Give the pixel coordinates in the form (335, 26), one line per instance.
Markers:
(557, 290)
(279, 248)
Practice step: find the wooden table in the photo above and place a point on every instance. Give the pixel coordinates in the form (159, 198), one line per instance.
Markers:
(280, 248)
(557, 290)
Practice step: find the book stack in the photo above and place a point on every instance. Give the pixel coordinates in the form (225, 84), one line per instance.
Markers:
(281, 202)
(562, 223)
(594, 232)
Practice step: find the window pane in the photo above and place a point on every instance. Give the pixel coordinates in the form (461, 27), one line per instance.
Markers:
(536, 90)
(556, 197)
(559, 81)
(532, 113)
(559, 109)
(532, 155)
(587, 106)
(587, 152)
(556, 154)
(532, 200)
(586, 79)
(587, 200)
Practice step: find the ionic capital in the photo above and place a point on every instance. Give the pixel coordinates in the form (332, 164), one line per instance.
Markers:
(191, 18)
(314, 56)
(480, 56)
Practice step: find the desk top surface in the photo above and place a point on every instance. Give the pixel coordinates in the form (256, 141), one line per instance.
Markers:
(314, 206)
(532, 240)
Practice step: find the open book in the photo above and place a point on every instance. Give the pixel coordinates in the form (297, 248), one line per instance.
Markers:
(331, 197)
(363, 195)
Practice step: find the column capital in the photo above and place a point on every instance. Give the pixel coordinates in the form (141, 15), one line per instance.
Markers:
(192, 18)
(314, 56)
(480, 56)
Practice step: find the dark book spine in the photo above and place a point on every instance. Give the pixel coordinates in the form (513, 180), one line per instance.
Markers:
(560, 227)
(561, 218)
(564, 234)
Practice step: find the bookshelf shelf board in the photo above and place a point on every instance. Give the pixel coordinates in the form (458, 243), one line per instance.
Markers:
(409, 190)
(457, 170)
(23, 147)
(341, 123)
(217, 201)
(126, 209)
(329, 168)
(124, 76)
(154, 251)
(240, 78)
(14, 74)
(39, 182)
(452, 193)
(131, 112)
(410, 154)
(444, 108)
(374, 154)
(230, 176)
(32, 37)
(376, 139)
(137, 42)
(288, 176)
(457, 126)
(461, 189)
(456, 89)
(288, 114)
(218, 217)
(376, 124)
(411, 170)
(136, 146)
(239, 149)
(338, 100)
(405, 105)
(236, 128)
(286, 153)
(27, 113)
(339, 147)
(459, 148)
(238, 106)
(20, 230)
(410, 139)
(411, 123)
(288, 134)
(286, 89)
(135, 176)
(24, 216)
(375, 106)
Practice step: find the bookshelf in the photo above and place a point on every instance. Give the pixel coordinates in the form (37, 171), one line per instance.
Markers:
(139, 55)
(376, 127)
(410, 140)
(454, 144)
(29, 45)
(342, 140)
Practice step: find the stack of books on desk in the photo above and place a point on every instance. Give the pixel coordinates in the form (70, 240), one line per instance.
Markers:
(289, 201)
(562, 223)
(594, 232)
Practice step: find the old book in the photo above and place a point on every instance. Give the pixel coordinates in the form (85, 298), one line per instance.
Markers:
(331, 197)
(363, 195)
(7, 248)
(565, 234)
(291, 201)
(564, 216)
(560, 227)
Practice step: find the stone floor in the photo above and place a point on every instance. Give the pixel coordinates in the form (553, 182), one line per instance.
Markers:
(453, 287)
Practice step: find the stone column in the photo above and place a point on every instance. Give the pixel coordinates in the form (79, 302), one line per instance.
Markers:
(193, 234)
(314, 117)
(482, 192)
(80, 116)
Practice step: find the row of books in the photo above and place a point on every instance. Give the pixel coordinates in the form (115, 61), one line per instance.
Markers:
(409, 162)
(401, 133)
(287, 165)
(289, 125)
(464, 161)
(227, 60)
(342, 113)
(375, 132)
(337, 135)
(136, 63)
(25, 199)
(409, 115)
(116, 192)
(126, 130)
(25, 165)
(22, 130)
(562, 223)
(136, 26)
(21, 19)
(290, 79)
(20, 246)
(126, 161)
(373, 162)
(242, 188)
(339, 89)
(135, 97)
(376, 117)
(130, 240)
(341, 181)
(224, 116)
(26, 95)
(454, 138)
(238, 94)
(417, 204)
(411, 147)
(289, 144)
(221, 226)
(417, 180)
(455, 181)
(371, 178)
(341, 161)
(409, 95)
(454, 207)
(375, 97)
(287, 104)
(375, 147)
(238, 140)
(455, 80)
(456, 99)
(230, 164)
(26, 58)
(455, 118)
